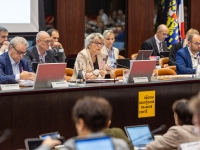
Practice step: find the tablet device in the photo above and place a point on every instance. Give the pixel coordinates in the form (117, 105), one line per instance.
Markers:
(144, 54)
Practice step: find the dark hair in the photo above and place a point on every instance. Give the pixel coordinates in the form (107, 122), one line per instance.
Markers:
(50, 31)
(3, 29)
(95, 112)
(181, 108)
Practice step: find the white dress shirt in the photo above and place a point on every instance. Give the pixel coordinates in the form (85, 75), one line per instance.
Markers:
(194, 59)
(158, 42)
(41, 58)
(15, 68)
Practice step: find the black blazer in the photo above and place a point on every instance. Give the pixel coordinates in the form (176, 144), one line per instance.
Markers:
(150, 44)
(32, 56)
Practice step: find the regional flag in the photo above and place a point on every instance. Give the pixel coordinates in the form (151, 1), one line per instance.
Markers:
(175, 22)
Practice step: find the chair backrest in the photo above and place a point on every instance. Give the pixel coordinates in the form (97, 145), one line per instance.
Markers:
(68, 73)
(133, 56)
(118, 73)
(121, 57)
(172, 67)
(166, 71)
(163, 62)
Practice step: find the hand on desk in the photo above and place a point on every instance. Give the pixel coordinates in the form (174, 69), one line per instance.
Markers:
(25, 75)
(102, 72)
(51, 142)
(90, 76)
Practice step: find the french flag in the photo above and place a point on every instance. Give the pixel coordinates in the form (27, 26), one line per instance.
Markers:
(180, 16)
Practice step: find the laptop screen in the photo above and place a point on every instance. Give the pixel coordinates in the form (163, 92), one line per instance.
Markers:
(102, 143)
(139, 135)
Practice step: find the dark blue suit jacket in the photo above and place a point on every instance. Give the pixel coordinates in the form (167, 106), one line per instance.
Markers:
(184, 62)
(6, 72)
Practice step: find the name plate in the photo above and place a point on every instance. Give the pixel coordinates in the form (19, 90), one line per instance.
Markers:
(140, 79)
(59, 84)
(6, 87)
(190, 146)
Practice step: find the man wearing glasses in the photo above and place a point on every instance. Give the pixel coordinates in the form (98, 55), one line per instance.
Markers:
(41, 52)
(157, 42)
(187, 57)
(3, 40)
(13, 67)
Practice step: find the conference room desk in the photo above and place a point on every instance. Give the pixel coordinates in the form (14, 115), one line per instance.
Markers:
(29, 113)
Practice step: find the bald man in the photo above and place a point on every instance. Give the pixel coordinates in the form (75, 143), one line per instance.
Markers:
(157, 42)
(41, 52)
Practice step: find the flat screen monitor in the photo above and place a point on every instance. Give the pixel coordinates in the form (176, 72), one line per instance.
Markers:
(144, 54)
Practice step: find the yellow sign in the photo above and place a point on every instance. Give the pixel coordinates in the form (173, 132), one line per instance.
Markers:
(146, 104)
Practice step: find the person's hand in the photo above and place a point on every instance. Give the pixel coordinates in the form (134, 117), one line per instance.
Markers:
(51, 142)
(4, 46)
(102, 72)
(31, 76)
(57, 45)
(24, 75)
(90, 76)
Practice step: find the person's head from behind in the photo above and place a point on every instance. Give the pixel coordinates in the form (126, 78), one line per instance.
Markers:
(189, 32)
(182, 114)
(91, 114)
(101, 11)
(3, 35)
(194, 43)
(54, 34)
(194, 106)
(43, 41)
(162, 32)
(109, 37)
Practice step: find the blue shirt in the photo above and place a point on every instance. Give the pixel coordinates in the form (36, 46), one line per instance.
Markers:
(41, 58)
(111, 56)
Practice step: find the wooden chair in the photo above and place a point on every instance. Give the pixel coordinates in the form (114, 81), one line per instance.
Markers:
(133, 56)
(118, 73)
(172, 67)
(166, 71)
(163, 62)
(120, 57)
(68, 73)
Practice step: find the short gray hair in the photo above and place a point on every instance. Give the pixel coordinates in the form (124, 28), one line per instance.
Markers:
(107, 33)
(18, 40)
(90, 38)
(3, 29)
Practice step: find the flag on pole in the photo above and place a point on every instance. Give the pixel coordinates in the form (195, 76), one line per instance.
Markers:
(175, 21)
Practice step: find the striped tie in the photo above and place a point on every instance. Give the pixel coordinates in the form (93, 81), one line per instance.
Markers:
(160, 47)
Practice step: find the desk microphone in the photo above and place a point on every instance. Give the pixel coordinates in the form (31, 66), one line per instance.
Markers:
(6, 134)
(116, 64)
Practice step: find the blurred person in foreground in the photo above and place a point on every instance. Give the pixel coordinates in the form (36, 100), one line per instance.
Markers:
(91, 116)
(91, 58)
(183, 132)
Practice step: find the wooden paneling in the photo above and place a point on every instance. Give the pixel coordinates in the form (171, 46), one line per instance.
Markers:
(140, 23)
(70, 24)
(195, 14)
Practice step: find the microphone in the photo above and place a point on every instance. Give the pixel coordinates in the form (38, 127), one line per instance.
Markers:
(6, 134)
(162, 127)
(116, 64)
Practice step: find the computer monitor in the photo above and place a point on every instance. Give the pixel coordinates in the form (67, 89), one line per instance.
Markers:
(141, 68)
(98, 143)
(123, 63)
(47, 73)
(144, 54)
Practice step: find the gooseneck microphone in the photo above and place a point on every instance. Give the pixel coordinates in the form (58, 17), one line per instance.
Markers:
(116, 64)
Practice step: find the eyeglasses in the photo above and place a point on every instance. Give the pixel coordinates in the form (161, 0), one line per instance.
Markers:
(19, 52)
(98, 44)
(46, 42)
(197, 44)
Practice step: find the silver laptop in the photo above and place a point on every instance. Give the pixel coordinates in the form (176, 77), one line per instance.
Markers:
(141, 68)
(47, 73)
(144, 54)
(139, 135)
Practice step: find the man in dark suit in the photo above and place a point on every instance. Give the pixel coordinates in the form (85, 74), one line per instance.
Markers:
(3, 40)
(157, 43)
(13, 67)
(41, 52)
(187, 57)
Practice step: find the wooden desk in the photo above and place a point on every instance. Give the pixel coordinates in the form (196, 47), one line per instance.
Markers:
(30, 113)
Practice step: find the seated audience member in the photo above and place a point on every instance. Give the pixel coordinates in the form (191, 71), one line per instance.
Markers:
(13, 67)
(100, 27)
(108, 49)
(92, 58)
(183, 132)
(179, 45)
(186, 58)
(120, 17)
(41, 52)
(113, 20)
(3, 40)
(120, 34)
(104, 17)
(91, 116)
(157, 42)
(59, 52)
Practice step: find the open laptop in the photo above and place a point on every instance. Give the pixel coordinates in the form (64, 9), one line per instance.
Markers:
(97, 143)
(141, 68)
(144, 54)
(139, 135)
(123, 63)
(164, 54)
(47, 73)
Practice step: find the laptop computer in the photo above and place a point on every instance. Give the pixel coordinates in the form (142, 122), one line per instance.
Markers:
(47, 73)
(97, 143)
(70, 62)
(144, 54)
(139, 135)
(164, 54)
(141, 68)
(34, 66)
(123, 63)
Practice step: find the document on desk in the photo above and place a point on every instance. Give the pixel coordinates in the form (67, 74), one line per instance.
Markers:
(26, 83)
(101, 80)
